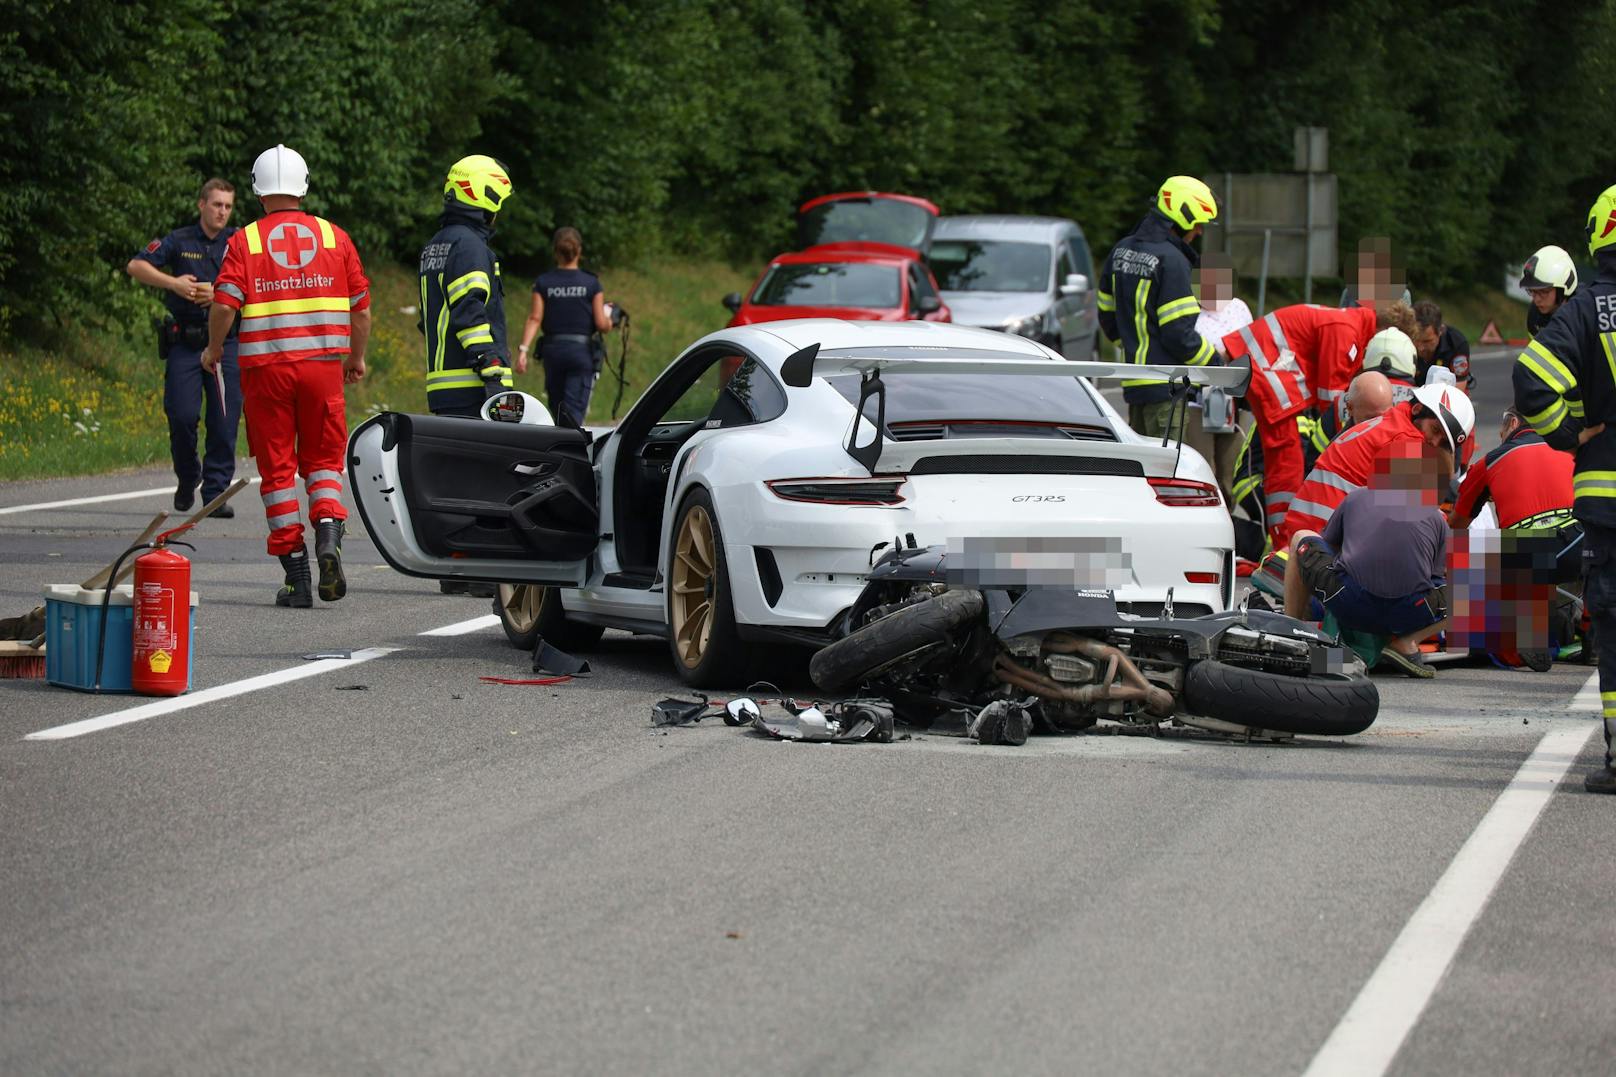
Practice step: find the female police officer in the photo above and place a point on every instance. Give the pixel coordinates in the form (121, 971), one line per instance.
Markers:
(569, 306)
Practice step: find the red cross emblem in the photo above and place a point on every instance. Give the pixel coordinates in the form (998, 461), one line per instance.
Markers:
(292, 245)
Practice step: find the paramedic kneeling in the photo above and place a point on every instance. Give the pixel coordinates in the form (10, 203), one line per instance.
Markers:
(1379, 566)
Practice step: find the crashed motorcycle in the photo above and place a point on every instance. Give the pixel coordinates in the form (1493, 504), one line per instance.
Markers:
(1008, 661)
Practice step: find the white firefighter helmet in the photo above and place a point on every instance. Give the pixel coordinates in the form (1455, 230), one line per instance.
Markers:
(1453, 408)
(515, 406)
(1550, 267)
(280, 170)
(1391, 352)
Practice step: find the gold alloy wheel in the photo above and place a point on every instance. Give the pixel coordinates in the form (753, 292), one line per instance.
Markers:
(519, 604)
(695, 570)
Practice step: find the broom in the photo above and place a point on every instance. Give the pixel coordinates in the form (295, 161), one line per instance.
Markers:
(22, 661)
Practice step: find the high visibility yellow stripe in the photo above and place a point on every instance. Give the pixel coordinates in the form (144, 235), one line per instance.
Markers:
(328, 238)
(1108, 301)
(1549, 369)
(1594, 484)
(1607, 697)
(1574, 405)
(1178, 308)
(1608, 341)
(255, 242)
(1549, 419)
(1203, 354)
(472, 382)
(442, 329)
(461, 285)
(295, 306)
(477, 334)
(1141, 296)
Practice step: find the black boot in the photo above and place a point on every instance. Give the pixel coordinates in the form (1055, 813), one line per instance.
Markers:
(1602, 780)
(295, 592)
(328, 551)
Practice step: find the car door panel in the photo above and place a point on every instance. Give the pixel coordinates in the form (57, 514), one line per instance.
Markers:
(465, 499)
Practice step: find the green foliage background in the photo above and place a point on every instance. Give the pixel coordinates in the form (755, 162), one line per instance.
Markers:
(1471, 133)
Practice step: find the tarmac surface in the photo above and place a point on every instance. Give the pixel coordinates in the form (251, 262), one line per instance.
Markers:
(390, 866)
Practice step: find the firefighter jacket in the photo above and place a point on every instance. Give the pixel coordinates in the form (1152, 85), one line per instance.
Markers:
(1344, 467)
(462, 313)
(1526, 479)
(295, 278)
(1146, 304)
(1565, 381)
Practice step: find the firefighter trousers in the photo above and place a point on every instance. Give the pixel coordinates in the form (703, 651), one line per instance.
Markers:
(1599, 594)
(297, 424)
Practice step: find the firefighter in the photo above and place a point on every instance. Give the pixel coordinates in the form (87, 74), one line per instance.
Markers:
(1441, 415)
(1441, 345)
(1303, 358)
(1565, 388)
(462, 303)
(1550, 278)
(1145, 297)
(304, 301)
(191, 256)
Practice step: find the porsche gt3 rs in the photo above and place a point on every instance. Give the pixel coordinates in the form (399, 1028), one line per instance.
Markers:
(743, 497)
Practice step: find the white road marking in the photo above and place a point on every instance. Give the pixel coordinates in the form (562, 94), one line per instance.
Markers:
(461, 628)
(207, 695)
(99, 499)
(1386, 1010)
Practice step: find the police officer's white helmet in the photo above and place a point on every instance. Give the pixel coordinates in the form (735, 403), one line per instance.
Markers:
(1391, 352)
(515, 406)
(280, 170)
(1550, 267)
(1453, 408)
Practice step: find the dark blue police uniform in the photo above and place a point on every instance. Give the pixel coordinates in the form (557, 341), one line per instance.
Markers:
(185, 383)
(569, 361)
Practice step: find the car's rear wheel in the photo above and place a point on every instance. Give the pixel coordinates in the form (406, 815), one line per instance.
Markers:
(701, 618)
(528, 612)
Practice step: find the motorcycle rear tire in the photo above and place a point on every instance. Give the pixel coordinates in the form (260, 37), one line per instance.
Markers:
(1311, 706)
(856, 656)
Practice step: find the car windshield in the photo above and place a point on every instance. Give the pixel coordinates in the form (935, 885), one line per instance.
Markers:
(988, 265)
(864, 220)
(943, 398)
(829, 284)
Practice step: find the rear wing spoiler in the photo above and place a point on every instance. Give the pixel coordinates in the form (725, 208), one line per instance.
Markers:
(871, 364)
(800, 369)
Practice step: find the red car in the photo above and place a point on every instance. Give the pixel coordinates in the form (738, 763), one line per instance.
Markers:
(862, 259)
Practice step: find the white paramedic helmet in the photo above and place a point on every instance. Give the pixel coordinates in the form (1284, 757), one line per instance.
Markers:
(1391, 352)
(280, 170)
(1449, 404)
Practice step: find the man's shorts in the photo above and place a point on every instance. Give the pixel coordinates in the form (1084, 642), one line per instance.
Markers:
(1353, 607)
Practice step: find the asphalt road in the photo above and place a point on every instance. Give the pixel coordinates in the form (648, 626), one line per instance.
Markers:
(392, 867)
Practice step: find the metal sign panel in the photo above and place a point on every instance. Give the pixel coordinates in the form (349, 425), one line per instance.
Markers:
(1281, 210)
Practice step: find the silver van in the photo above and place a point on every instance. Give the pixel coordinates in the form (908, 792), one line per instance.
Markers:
(1028, 275)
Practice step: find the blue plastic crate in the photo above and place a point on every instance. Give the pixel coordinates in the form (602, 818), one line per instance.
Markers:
(73, 632)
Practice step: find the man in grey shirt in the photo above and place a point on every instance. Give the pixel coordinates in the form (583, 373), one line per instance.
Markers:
(1380, 565)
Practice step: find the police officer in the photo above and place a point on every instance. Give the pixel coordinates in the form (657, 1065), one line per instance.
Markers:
(184, 264)
(1565, 388)
(462, 303)
(1550, 278)
(569, 306)
(1145, 297)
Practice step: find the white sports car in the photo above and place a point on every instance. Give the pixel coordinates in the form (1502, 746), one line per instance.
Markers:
(740, 502)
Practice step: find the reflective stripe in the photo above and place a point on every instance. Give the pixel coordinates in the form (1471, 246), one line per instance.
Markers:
(294, 321)
(1277, 499)
(328, 238)
(1272, 321)
(1594, 484)
(1260, 362)
(1178, 308)
(295, 306)
(276, 497)
(476, 334)
(353, 300)
(1244, 488)
(1549, 419)
(1141, 295)
(255, 242)
(463, 284)
(1574, 406)
(231, 290)
(1203, 354)
(1107, 301)
(457, 378)
(1331, 394)
(503, 373)
(1333, 481)
(291, 344)
(323, 476)
(1312, 508)
(1549, 369)
(1608, 342)
(1607, 697)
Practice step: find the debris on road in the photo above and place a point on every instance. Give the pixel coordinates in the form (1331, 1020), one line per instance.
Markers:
(523, 680)
(547, 659)
(681, 711)
(318, 656)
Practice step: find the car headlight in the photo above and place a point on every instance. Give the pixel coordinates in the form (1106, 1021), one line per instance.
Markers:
(1030, 326)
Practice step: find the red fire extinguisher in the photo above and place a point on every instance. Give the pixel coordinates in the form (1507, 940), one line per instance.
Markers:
(162, 628)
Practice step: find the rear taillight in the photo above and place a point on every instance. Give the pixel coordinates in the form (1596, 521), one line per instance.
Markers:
(839, 491)
(1185, 493)
(1201, 577)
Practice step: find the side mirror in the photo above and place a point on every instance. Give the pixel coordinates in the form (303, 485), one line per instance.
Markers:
(733, 302)
(1076, 284)
(515, 406)
(929, 304)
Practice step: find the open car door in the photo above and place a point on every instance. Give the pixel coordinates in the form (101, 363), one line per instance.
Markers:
(463, 499)
(866, 217)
